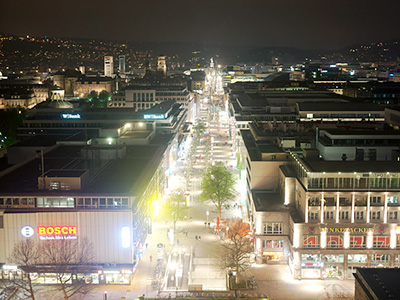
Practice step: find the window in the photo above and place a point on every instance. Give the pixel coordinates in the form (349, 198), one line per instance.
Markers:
(334, 258)
(310, 241)
(357, 241)
(272, 228)
(380, 258)
(273, 157)
(329, 215)
(54, 185)
(359, 215)
(376, 199)
(381, 241)
(313, 216)
(344, 215)
(392, 200)
(273, 244)
(334, 241)
(357, 258)
(393, 215)
(375, 215)
(310, 257)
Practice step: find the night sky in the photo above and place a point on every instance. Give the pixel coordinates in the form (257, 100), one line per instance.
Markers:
(317, 24)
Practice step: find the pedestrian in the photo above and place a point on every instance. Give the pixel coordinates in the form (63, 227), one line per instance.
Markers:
(177, 241)
(205, 224)
(151, 258)
(199, 237)
(147, 245)
(208, 224)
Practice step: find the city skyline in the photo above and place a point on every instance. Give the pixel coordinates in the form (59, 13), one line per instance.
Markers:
(307, 25)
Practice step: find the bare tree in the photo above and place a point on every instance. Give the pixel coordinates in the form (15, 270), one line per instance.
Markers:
(69, 257)
(237, 247)
(26, 255)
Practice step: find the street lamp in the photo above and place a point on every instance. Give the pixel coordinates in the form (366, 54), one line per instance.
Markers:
(207, 213)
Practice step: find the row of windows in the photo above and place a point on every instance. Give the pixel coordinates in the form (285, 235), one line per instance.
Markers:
(358, 215)
(273, 228)
(358, 201)
(65, 202)
(352, 182)
(352, 258)
(337, 241)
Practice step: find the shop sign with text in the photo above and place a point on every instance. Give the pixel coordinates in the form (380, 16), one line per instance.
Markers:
(57, 232)
(347, 229)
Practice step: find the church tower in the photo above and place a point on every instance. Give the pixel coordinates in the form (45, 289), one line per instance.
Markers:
(162, 64)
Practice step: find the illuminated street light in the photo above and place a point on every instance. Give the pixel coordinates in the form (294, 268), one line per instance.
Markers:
(207, 213)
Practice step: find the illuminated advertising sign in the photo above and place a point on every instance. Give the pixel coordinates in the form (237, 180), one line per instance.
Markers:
(154, 116)
(57, 232)
(351, 230)
(71, 116)
(126, 237)
(27, 231)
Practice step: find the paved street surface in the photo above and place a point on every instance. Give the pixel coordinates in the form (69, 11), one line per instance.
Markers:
(273, 281)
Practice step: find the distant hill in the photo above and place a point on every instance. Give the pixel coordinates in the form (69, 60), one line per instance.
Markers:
(43, 53)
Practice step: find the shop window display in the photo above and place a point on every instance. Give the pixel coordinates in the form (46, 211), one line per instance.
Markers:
(357, 258)
(334, 258)
(380, 258)
(333, 272)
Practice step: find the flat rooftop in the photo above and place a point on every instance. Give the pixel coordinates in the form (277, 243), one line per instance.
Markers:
(350, 166)
(127, 176)
(384, 283)
(339, 106)
(65, 173)
(266, 201)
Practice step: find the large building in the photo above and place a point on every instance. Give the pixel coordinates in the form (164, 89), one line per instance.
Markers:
(144, 97)
(87, 84)
(323, 187)
(21, 94)
(101, 176)
(108, 66)
(162, 64)
(121, 64)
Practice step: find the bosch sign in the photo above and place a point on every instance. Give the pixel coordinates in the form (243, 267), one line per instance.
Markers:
(57, 232)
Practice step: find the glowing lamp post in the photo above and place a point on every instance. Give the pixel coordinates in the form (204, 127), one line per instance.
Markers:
(207, 213)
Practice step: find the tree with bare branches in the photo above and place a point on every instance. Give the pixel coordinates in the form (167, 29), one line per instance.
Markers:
(26, 255)
(69, 257)
(237, 247)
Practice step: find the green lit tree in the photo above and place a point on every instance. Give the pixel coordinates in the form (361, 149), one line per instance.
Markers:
(176, 207)
(218, 186)
(199, 128)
